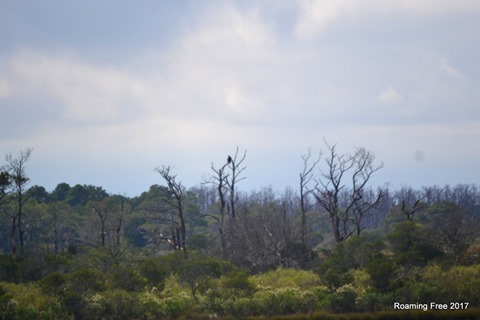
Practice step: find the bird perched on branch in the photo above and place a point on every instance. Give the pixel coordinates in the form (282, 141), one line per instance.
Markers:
(229, 160)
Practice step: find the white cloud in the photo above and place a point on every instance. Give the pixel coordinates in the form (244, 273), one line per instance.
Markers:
(86, 92)
(317, 15)
(5, 88)
(390, 96)
(445, 67)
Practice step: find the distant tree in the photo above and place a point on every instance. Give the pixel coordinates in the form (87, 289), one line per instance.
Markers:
(411, 245)
(16, 168)
(412, 201)
(452, 229)
(122, 212)
(38, 193)
(134, 232)
(5, 185)
(111, 212)
(102, 211)
(410, 211)
(178, 230)
(58, 226)
(219, 180)
(60, 192)
(236, 167)
(347, 218)
(80, 195)
(306, 177)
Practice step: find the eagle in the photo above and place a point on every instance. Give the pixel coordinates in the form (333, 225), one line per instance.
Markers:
(229, 160)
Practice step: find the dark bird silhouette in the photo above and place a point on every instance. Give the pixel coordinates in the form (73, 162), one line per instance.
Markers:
(229, 159)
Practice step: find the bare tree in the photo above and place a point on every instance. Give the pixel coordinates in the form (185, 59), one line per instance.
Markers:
(236, 169)
(306, 177)
(16, 168)
(346, 206)
(178, 231)
(363, 170)
(120, 217)
(219, 179)
(412, 201)
(102, 212)
(409, 211)
(57, 225)
(225, 180)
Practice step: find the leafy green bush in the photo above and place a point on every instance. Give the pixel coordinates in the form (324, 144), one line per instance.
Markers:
(374, 302)
(155, 272)
(127, 279)
(176, 306)
(381, 271)
(287, 278)
(343, 301)
(115, 304)
(460, 284)
(7, 304)
(27, 301)
(283, 301)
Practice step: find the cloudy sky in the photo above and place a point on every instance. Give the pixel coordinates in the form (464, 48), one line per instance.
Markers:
(105, 91)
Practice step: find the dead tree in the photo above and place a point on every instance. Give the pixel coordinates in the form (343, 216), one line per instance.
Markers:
(178, 231)
(346, 218)
(120, 217)
(102, 213)
(363, 170)
(236, 170)
(219, 179)
(409, 212)
(306, 177)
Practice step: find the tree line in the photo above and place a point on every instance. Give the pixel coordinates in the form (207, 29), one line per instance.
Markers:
(334, 224)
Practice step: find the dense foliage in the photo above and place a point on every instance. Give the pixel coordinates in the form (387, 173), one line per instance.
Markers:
(77, 252)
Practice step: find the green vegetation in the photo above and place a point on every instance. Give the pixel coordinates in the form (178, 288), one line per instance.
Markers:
(87, 254)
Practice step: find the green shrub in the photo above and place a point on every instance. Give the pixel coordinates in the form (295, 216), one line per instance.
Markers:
(283, 301)
(27, 301)
(287, 278)
(127, 279)
(154, 271)
(460, 284)
(176, 306)
(115, 304)
(7, 305)
(343, 301)
(374, 302)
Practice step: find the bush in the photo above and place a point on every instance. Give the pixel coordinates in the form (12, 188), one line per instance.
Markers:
(155, 272)
(27, 301)
(115, 304)
(287, 278)
(460, 284)
(128, 280)
(236, 284)
(381, 270)
(176, 306)
(283, 301)
(343, 301)
(374, 302)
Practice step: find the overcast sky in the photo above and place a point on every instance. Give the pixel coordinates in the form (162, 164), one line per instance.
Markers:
(105, 91)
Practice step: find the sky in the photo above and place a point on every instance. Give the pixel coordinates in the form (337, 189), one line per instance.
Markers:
(106, 91)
